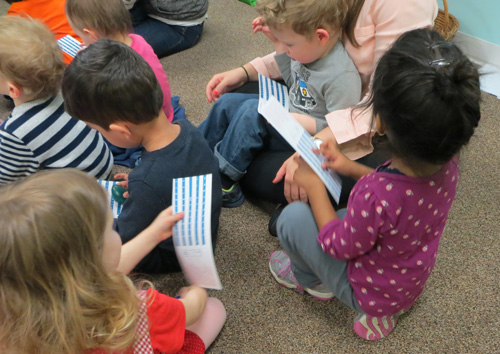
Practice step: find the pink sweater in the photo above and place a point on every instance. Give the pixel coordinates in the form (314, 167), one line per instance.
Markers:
(390, 236)
(140, 45)
(380, 23)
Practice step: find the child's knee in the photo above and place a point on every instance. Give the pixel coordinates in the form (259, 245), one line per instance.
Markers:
(291, 220)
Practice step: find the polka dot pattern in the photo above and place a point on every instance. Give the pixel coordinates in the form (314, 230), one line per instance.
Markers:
(390, 236)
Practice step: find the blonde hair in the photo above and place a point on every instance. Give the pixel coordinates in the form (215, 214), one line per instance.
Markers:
(55, 294)
(304, 16)
(108, 18)
(30, 56)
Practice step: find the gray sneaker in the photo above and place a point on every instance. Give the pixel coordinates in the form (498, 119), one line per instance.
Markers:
(232, 197)
(279, 265)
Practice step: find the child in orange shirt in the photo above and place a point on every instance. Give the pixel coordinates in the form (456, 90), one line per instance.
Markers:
(50, 12)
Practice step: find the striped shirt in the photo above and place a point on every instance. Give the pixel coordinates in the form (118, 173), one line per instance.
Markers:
(41, 135)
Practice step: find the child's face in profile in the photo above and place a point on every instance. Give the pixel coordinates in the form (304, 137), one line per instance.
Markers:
(298, 47)
(112, 245)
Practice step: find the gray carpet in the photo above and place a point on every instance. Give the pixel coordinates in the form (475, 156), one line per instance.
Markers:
(458, 311)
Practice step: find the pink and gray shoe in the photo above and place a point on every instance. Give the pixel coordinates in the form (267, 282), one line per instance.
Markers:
(279, 265)
(374, 328)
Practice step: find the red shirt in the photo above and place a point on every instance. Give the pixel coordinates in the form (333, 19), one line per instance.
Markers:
(167, 327)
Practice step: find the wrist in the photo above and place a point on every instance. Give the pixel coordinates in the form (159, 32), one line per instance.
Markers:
(246, 73)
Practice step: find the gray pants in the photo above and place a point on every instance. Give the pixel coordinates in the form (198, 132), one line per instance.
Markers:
(297, 232)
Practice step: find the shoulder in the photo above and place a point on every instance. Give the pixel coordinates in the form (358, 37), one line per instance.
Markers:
(140, 45)
(338, 60)
(405, 12)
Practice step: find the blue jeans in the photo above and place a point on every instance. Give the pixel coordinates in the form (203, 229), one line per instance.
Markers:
(298, 232)
(164, 38)
(237, 133)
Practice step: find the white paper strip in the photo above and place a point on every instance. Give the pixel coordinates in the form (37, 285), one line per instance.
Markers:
(192, 235)
(69, 45)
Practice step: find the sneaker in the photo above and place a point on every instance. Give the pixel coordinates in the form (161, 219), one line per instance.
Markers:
(279, 264)
(273, 221)
(232, 197)
(374, 328)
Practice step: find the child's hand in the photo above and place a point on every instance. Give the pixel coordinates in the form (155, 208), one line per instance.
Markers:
(305, 176)
(194, 299)
(335, 160)
(187, 289)
(258, 25)
(224, 82)
(124, 183)
(163, 224)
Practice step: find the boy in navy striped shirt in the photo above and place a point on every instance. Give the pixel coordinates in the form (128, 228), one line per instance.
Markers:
(39, 134)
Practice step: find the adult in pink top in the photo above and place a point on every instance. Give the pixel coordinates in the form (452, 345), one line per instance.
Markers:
(374, 25)
(140, 45)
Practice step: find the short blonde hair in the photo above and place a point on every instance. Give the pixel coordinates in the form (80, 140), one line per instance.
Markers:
(107, 17)
(55, 294)
(30, 56)
(304, 16)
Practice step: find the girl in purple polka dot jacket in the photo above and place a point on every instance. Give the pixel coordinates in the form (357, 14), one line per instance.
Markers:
(376, 255)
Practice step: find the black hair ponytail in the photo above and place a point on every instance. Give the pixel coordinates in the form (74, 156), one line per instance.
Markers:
(426, 92)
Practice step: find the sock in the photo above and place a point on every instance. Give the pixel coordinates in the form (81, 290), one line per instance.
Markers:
(226, 182)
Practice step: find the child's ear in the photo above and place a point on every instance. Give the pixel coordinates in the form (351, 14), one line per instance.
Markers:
(14, 90)
(379, 126)
(322, 35)
(121, 128)
(91, 33)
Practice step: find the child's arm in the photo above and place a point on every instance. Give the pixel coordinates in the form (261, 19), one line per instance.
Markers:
(318, 197)
(137, 248)
(338, 162)
(194, 299)
(307, 122)
(230, 80)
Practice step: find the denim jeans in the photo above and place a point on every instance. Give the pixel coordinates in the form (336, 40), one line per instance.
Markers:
(298, 232)
(164, 38)
(237, 132)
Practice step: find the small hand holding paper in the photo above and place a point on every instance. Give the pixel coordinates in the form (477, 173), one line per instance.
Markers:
(304, 175)
(163, 224)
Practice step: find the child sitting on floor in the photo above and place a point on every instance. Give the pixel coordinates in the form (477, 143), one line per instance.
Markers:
(39, 134)
(376, 260)
(51, 13)
(61, 290)
(319, 73)
(112, 89)
(94, 19)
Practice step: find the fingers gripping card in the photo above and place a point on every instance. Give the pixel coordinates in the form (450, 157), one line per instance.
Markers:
(192, 234)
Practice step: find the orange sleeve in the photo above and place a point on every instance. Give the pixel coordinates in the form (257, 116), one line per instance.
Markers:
(50, 12)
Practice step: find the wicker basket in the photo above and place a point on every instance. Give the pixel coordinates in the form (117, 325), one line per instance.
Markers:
(445, 23)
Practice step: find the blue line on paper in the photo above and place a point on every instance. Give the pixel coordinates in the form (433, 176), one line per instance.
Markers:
(196, 215)
(283, 102)
(203, 210)
(261, 86)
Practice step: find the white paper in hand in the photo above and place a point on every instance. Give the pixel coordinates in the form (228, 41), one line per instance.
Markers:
(296, 136)
(192, 235)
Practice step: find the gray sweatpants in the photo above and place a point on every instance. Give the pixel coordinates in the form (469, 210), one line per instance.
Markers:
(297, 232)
